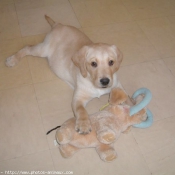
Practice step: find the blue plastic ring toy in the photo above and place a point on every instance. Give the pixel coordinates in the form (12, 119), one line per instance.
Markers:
(136, 108)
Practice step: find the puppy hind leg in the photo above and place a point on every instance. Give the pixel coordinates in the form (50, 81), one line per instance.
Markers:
(28, 50)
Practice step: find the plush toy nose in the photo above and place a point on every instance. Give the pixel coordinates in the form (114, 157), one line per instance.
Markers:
(105, 81)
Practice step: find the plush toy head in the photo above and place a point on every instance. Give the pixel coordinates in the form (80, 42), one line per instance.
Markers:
(106, 128)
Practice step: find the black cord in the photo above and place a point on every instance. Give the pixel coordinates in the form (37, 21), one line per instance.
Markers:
(52, 129)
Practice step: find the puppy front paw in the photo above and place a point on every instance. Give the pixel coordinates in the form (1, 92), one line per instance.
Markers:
(83, 126)
(11, 61)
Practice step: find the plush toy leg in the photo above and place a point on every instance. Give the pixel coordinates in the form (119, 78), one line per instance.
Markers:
(68, 150)
(106, 136)
(138, 117)
(106, 152)
(127, 130)
(64, 133)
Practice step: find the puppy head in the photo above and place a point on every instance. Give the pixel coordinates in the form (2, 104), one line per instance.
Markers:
(98, 62)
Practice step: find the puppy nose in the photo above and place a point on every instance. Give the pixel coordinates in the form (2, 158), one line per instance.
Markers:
(105, 81)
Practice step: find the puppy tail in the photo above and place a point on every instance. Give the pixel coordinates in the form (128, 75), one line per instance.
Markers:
(50, 21)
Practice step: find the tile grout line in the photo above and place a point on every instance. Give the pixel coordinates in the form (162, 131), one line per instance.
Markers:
(149, 18)
(142, 62)
(40, 113)
(17, 18)
(167, 66)
(74, 13)
(29, 154)
(52, 159)
(24, 85)
(151, 126)
(136, 21)
(140, 151)
(41, 118)
(148, 39)
(160, 55)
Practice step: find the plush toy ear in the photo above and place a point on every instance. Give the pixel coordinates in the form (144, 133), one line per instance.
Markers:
(79, 59)
(117, 96)
(119, 55)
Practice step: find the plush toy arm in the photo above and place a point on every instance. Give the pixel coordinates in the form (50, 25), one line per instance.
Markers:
(136, 108)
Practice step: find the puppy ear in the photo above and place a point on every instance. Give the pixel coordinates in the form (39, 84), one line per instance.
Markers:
(117, 96)
(79, 59)
(119, 56)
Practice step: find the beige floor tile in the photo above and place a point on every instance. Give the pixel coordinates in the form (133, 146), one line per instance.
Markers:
(28, 4)
(11, 46)
(31, 15)
(172, 20)
(9, 27)
(32, 4)
(33, 40)
(87, 161)
(170, 62)
(139, 9)
(157, 137)
(21, 129)
(53, 96)
(157, 143)
(99, 12)
(40, 161)
(18, 75)
(54, 99)
(161, 165)
(10, 32)
(39, 67)
(161, 33)
(128, 37)
(7, 8)
(156, 77)
(5, 2)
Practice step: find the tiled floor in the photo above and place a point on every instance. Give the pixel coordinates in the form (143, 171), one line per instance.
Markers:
(33, 100)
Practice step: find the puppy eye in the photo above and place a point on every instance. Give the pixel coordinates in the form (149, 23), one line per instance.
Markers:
(111, 62)
(94, 64)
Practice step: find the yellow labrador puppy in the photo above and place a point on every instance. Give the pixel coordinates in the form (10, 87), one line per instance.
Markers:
(89, 68)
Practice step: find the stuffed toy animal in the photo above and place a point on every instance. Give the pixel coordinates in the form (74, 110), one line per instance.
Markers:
(107, 125)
